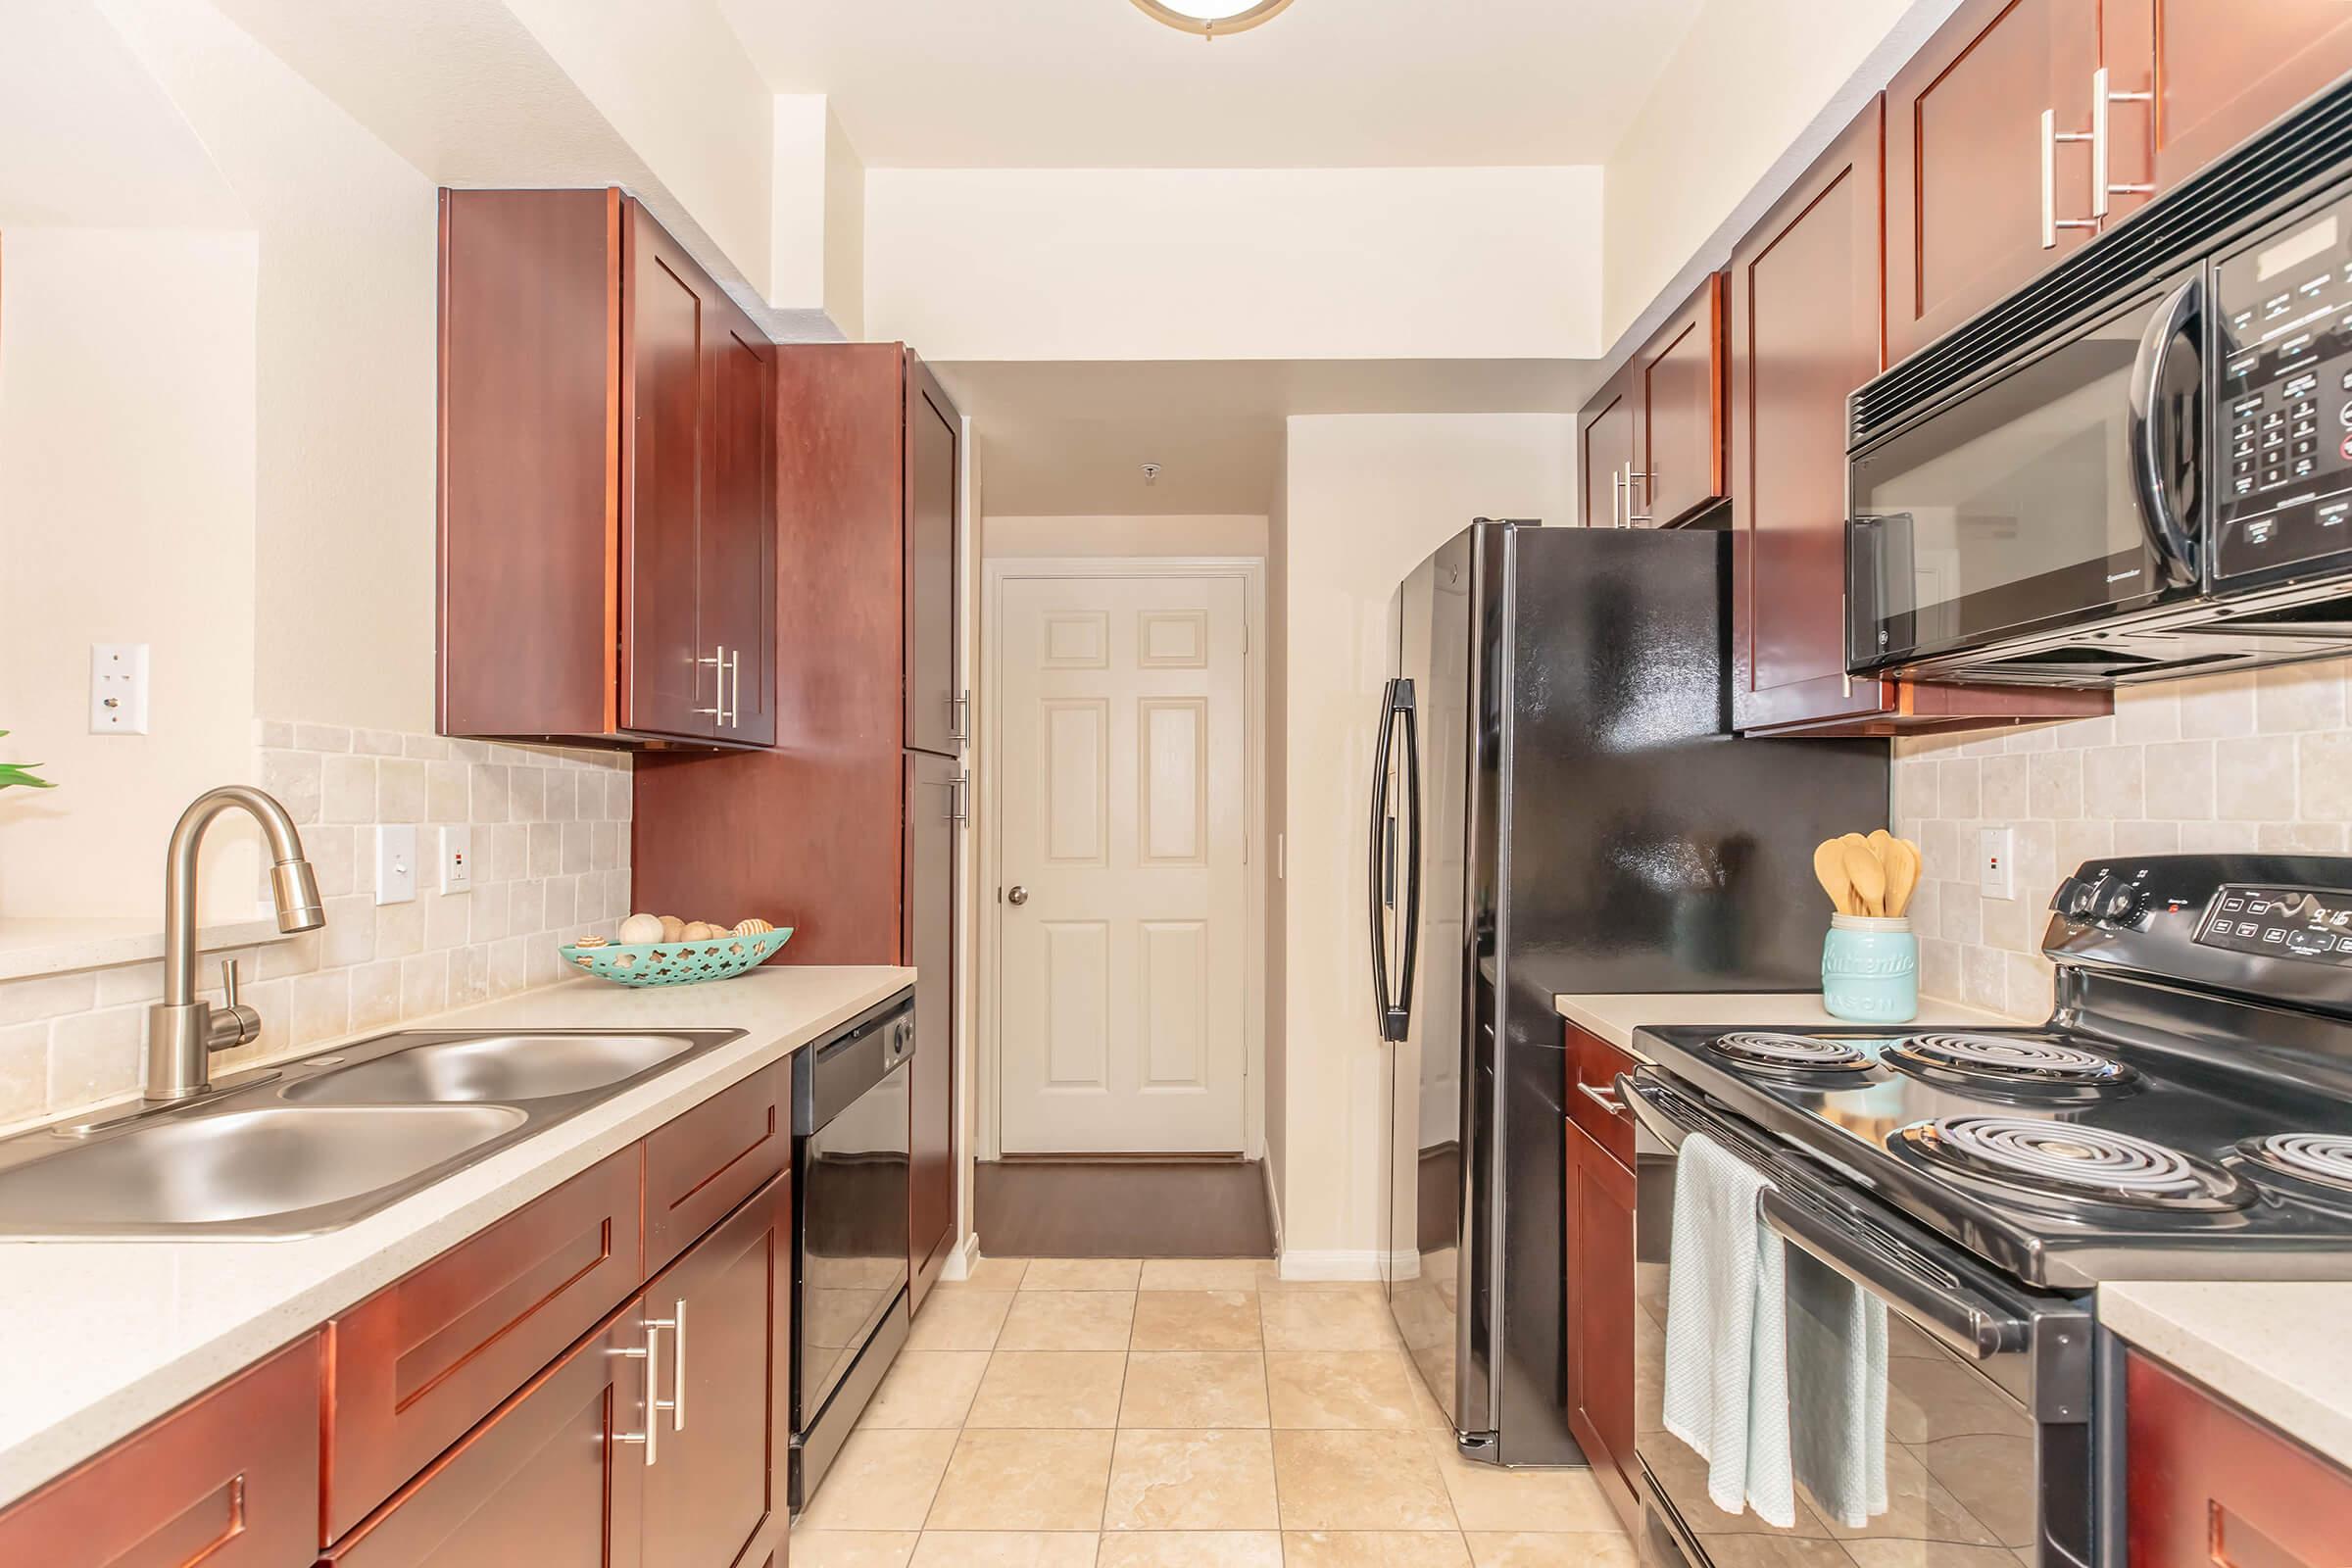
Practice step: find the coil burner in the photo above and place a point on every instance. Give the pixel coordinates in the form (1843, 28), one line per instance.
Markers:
(2068, 1162)
(2027, 1063)
(2306, 1164)
(1806, 1055)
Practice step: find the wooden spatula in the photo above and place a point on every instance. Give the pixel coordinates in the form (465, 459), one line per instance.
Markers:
(1903, 875)
(1869, 877)
(1829, 866)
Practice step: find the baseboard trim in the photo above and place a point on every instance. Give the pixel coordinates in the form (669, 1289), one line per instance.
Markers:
(1337, 1264)
(962, 1259)
(1273, 1203)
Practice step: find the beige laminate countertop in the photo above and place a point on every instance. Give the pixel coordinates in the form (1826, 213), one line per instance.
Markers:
(1614, 1016)
(2282, 1351)
(97, 1338)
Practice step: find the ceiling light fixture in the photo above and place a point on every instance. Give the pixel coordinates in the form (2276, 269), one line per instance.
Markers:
(1212, 19)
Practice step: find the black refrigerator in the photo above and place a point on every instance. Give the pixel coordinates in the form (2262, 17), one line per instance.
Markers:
(1558, 805)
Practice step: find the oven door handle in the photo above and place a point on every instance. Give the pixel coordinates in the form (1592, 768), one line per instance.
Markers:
(2153, 430)
(1974, 1328)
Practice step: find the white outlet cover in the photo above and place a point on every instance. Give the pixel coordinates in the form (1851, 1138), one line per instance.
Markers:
(118, 687)
(1994, 878)
(456, 859)
(396, 863)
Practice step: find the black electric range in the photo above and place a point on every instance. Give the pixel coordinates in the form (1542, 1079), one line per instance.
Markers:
(2184, 1112)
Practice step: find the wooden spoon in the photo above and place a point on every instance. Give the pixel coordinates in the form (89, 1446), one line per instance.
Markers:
(1829, 866)
(1902, 875)
(1869, 878)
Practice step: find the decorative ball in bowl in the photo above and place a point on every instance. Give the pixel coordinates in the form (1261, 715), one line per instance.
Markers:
(720, 956)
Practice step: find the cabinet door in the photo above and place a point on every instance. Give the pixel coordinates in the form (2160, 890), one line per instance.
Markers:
(716, 1497)
(1964, 160)
(736, 578)
(2224, 70)
(935, 795)
(1600, 1263)
(1605, 454)
(1679, 411)
(665, 688)
(934, 438)
(1805, 319)
(2211, 1487)
(230, 1480)
(554, 1477)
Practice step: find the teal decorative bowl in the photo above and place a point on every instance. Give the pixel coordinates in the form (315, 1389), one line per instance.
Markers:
(676, 963)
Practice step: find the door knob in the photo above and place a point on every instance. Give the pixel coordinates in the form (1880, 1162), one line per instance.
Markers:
(1019, 895)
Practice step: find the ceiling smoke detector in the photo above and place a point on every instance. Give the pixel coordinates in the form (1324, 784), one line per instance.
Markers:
(1212, 19)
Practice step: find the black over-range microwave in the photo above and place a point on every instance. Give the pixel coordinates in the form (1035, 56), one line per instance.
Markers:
(2141, 465)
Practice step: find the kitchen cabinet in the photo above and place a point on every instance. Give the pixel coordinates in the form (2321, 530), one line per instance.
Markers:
(715, 1493)
(2221, 72)
(935, 805)
(937, 708)
(607, 482)
(230, 1480)
(701, 1164)
(1805, 288)
(1599, 1257)
(2209, 1484)
(1651, 441)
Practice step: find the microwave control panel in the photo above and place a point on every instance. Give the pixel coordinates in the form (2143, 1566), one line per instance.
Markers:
(2283, 395)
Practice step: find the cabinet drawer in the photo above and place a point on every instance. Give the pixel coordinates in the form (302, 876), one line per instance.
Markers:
(230, 1480)
(701, 1165)
(1593, 1069)
(2211, 1485)
(416, 1364)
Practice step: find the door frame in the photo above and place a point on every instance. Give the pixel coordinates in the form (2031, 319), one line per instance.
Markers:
(1251, 572)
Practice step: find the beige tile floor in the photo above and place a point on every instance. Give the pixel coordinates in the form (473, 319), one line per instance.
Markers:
(1090, 1413)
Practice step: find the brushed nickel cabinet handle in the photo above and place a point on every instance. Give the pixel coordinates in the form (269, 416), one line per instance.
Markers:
(678, 1365)
(2102, 98)
(2051, 137)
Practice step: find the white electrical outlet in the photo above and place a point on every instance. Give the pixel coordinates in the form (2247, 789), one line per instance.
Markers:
(1994, 878)
(118, 687)
(456, 859)
(396, 863)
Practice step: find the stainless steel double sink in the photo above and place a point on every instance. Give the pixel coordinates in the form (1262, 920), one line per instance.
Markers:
(316, 1144)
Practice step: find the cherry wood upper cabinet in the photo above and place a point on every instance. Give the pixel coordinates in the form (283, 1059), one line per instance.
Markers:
(1605, 452)
(1678, 386)
(2210, 1486)
(605, 485)
(2221, 71)
(935, 795)
(231, 1480)
(1964, 160)
(936, 709)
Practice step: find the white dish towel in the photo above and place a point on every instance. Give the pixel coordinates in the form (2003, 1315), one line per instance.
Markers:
(1727, 1369)
(1838, 1382)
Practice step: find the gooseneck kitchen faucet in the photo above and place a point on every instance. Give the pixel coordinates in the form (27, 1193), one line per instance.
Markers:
(183, 1030)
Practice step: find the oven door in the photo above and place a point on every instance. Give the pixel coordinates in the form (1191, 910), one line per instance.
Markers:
(2061, 493)
(1985, 1434)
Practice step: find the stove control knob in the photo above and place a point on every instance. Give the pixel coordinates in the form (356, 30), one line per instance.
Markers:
(2123, 902)
(2079, 900)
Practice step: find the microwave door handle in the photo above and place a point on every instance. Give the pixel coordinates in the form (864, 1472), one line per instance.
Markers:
(1970, 1325)
(1375, 882)
(2168, 532)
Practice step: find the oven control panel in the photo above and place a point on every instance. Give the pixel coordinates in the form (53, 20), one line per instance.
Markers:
(2281, 922)
(2282, 486)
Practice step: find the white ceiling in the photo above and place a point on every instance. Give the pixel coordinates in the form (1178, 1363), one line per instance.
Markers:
(1328, 83)
(1071, 439)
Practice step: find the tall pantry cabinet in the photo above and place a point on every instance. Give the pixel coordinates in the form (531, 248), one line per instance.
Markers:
(848, 831)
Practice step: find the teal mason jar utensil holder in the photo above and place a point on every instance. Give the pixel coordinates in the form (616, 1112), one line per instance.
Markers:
(1870, 970)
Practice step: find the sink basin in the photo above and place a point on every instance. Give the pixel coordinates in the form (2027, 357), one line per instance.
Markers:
(269, 1170)
(492, 1067)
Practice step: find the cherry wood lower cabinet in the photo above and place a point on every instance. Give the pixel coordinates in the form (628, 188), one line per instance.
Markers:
(230, 1480)
(935, 795)
(700, 1165)
(2210, 1486)
(1599, 1257)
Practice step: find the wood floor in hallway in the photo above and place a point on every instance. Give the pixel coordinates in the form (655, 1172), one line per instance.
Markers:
(1170, 1413)
(1100, 1208)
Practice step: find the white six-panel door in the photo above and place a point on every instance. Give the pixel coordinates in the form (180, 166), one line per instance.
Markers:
(1122, 968)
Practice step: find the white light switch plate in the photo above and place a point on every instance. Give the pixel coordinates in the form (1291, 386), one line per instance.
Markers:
(1994, 878)
(118, 687)
(456, 859)
(396, 863)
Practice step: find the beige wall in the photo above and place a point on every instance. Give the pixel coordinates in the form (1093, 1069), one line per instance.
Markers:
(1176, 535)
(1368, 498)
(126, 508)
(1250, 263)
(2225, 764)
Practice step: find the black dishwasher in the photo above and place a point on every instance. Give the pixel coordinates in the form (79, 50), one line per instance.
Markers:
(848, 1273)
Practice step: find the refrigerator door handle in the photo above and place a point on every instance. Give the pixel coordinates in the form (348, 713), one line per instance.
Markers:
(1408, 953)
(1391, 1018)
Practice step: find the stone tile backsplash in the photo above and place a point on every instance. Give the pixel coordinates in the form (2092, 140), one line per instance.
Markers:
(2229, 763)
(550, 852)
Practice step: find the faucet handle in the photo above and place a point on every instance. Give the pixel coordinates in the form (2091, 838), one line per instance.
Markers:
(228, 982)
(231, 1023)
